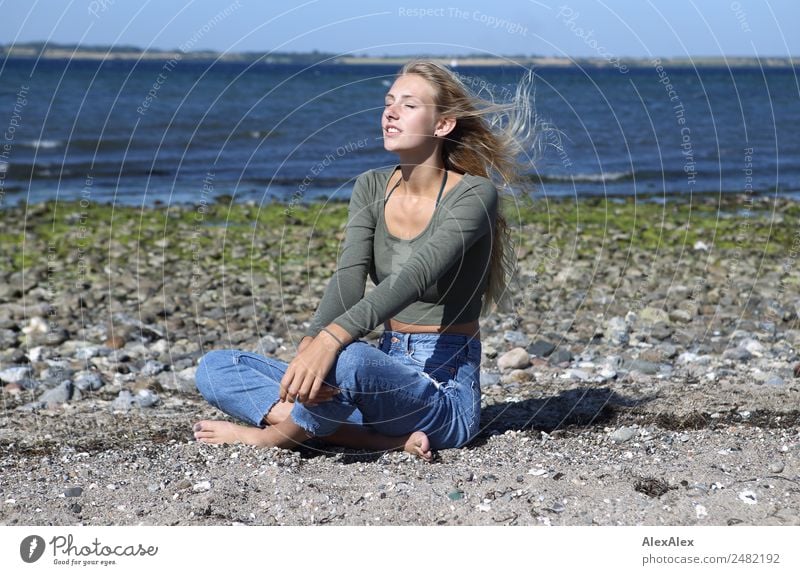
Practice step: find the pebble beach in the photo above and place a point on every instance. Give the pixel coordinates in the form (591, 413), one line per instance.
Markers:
(646, 373)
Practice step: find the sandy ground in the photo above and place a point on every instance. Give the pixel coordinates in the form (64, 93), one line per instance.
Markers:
(640, 384)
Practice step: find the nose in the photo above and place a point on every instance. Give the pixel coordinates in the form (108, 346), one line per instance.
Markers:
(390, 111)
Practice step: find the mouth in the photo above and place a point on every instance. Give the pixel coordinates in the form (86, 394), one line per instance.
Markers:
(391, 131)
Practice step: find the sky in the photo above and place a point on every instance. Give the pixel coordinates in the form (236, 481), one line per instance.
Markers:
(567, 28)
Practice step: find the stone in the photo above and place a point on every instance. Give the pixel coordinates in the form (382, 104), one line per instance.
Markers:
(680, 316)
(89, 351)
(201, 486)
(559, 356)
(541, 348)
(267, 345)
(73, 492)
(123, 402)
(88, 381)
(115, 342)
(616, 331)
(736, 354)
(776, 467)
(60, 394)
(517, 376)
(152, 367)
(652, 316)
(517, 358)
(489, 379)
(642, 366)
(755, 347)
(661, 331)
(774, 379)
(623, 434)
(146, 398)
(516, 338)
(579, 374)
(16, 374)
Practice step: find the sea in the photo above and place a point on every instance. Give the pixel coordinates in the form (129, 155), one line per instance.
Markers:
(178, 131)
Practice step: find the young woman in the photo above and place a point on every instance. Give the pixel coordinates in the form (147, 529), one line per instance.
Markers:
(430, 234)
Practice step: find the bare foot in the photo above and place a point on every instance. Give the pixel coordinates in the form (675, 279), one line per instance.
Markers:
(418, 444)
(218, 432)
(286, 435)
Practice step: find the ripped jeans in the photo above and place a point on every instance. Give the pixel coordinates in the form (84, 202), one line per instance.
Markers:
(410, 382)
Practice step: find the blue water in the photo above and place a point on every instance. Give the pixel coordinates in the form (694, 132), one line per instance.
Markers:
(87, 130)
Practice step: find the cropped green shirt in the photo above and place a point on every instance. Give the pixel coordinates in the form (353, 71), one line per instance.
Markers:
(436, 278)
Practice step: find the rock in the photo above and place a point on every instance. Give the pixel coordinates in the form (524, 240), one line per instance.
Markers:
(16, 374)
(774, 379)
(88, 381)
(680, 316)
(654, 355)
(606, 373)
(152, 367)
(689, 357)
(579, 374)
(796, 370)
(90, 351)
(489, 379)
(57, 395)
(616, 331)
(642, 366)
(623, 434)
(776, 467)
(668, 350)
(73, 492)
(8, 339)
(115, 342)
(652, 316)
(748, 496)
(661, 331)
(517, 376)
(455, 495)
(123, 402)
(541, 348)
(201, 486)
(267, 345)
(753, 346)
(560, 356)
(12, 388)
(146, 398)
(517, 358)
(516, 338)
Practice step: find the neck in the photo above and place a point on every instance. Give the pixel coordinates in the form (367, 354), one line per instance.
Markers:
(419, 178)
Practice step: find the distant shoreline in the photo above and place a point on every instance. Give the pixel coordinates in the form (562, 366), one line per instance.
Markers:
(127, 53)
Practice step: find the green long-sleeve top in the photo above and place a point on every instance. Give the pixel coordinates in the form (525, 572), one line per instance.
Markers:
(437, 278)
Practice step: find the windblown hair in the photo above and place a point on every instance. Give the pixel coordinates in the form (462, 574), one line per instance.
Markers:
(483, 144)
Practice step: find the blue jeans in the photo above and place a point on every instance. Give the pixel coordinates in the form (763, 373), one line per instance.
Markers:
(410, 382)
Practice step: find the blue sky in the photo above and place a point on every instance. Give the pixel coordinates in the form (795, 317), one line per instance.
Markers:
(573, 28)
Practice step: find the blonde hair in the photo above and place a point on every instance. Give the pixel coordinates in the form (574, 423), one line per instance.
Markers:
(487, 148)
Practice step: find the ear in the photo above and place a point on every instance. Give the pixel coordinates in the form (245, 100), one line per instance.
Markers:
(444, 126)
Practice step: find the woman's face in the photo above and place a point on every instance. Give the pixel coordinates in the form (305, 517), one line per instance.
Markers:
(409, 115)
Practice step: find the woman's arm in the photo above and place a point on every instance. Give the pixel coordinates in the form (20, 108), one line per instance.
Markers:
(347, 285)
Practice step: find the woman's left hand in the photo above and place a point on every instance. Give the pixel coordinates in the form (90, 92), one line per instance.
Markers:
(307, 371)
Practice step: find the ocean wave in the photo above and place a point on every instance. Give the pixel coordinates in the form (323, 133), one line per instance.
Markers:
(41, 144)
(591, 178)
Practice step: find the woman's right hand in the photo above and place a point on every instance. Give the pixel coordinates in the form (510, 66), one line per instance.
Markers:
(326, 392)
(304, 343)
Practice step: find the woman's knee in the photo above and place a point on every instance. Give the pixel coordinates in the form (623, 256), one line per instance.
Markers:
(360, 359)
(210, 371)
